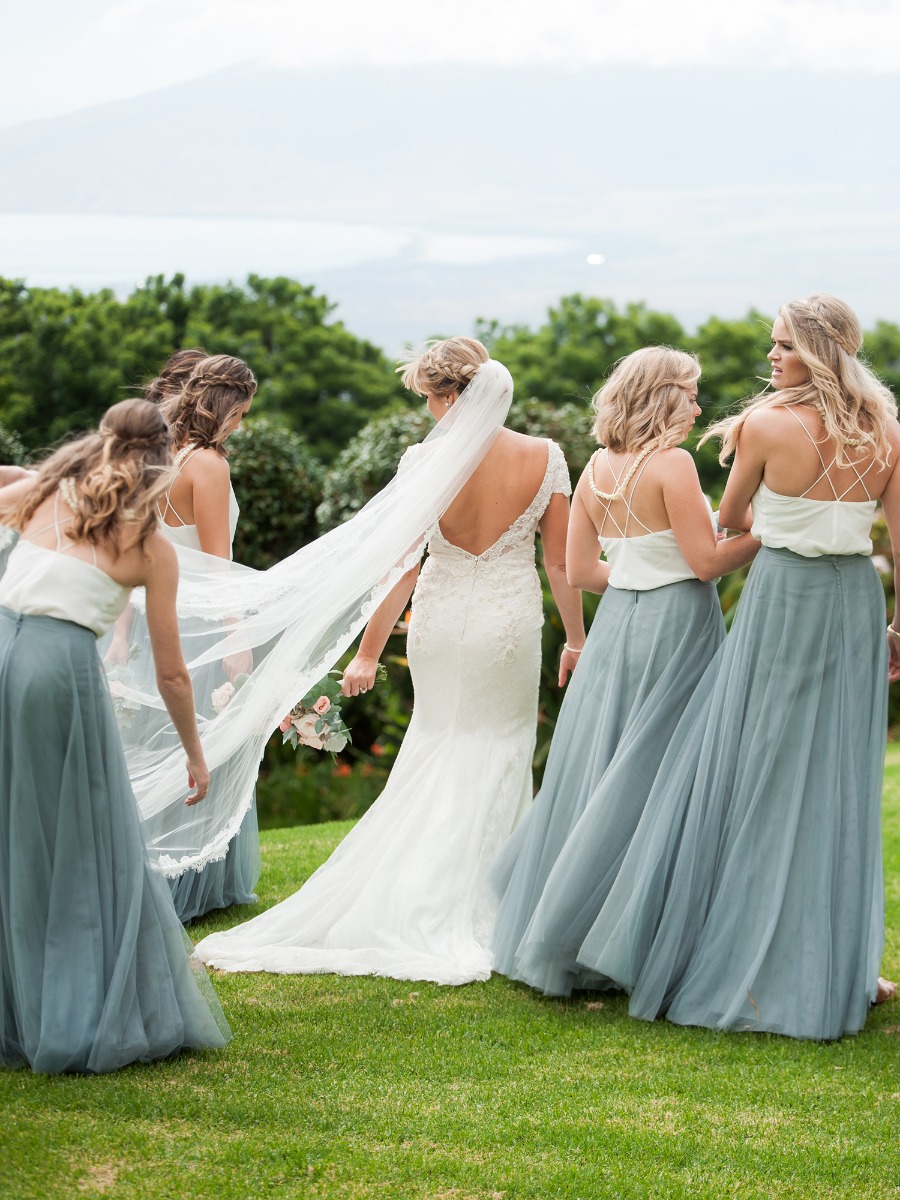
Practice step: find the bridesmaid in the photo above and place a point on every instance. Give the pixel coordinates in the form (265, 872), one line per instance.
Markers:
(751, 897)
(657, 628)
(200, 511)
(94, 970)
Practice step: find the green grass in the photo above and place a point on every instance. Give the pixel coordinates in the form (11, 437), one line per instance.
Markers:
(371, 1088)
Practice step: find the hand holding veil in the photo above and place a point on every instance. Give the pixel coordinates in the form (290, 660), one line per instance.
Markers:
(296, 618)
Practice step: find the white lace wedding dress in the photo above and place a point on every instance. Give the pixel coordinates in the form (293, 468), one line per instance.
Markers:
(404, 895)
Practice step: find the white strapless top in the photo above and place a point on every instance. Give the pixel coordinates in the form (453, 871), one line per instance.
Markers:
(812, 527)
(647, 561)
(45, 583)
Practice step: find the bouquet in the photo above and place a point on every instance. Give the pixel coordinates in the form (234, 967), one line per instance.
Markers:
(118, 678)
(316, 720)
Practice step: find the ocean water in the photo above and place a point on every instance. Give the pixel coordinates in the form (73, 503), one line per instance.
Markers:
(94, 251)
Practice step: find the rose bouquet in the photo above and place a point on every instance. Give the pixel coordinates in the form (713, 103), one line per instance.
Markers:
(118, 678)
(316, 720)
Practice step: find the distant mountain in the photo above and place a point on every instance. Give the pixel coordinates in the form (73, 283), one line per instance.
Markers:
(530, 149)
(708, 191)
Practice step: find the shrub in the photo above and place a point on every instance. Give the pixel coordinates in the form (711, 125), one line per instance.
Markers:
(278, 481)
(368, 463)
(12, 452)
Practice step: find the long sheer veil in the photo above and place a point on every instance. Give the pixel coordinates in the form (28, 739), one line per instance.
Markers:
(297, 618)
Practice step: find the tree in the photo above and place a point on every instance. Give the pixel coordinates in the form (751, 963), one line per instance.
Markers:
(66, 356)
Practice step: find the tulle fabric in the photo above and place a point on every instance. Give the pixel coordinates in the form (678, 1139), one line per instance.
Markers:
(8, 539)
(751, 897)
(230, 880)
(405, 894)
(94, 965)
(297, 618)
(644, 655)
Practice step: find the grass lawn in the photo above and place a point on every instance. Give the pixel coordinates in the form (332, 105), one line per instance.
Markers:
(371, 1088)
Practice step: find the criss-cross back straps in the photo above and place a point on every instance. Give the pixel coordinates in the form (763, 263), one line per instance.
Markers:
(860, 476)
(183, 455)
(61, 547)
(626, 500)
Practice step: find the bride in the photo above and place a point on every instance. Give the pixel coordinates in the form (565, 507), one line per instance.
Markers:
(404, 895)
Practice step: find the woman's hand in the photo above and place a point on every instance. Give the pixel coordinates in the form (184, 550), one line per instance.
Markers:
(118, 653)
(240, 663)
(198, 779)
(359, 675)
(894, 659)
(567, 663)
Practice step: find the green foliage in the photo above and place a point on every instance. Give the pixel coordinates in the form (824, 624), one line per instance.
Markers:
(314, 375)
(371, 1088)
(65, 357)
(881, 350)
(369, 462)
(12, 452)
(278, 482)
(567, 358)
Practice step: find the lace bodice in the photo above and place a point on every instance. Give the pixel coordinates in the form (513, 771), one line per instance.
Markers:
(520, 534)
(500, 586)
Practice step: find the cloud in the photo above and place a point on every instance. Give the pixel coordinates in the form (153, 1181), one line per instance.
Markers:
(91, 51)
(819, 34)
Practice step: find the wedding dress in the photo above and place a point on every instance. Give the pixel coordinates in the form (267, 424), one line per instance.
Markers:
(404, 895)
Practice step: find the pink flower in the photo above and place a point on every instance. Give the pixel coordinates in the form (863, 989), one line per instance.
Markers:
(322, 705)
(286, 723)
(221, 695)
(306, 730)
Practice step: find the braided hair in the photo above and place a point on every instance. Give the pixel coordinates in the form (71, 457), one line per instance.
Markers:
(853, 403)
(174, 374)
(444, 368)
(203, 412)
(111, 477)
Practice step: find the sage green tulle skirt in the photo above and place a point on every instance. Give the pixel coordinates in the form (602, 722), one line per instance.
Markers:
(95, 968)
(751, 897)
(644, 655)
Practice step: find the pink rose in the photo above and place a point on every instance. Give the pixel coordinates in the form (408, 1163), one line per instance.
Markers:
(221, 695)
(306, 730)
(322, 705)
(286, 723)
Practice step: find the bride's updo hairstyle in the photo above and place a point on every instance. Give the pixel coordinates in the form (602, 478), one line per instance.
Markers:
(444, 368)
(201, 413)
(645, 399)
(174, 374)
(854, 405)
(111, 479)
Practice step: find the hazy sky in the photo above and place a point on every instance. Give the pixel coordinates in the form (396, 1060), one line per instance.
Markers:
(57, 56)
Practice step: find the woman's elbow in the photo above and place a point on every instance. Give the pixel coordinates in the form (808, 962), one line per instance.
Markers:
(173, 680)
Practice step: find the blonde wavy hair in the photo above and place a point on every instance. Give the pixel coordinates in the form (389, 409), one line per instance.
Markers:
(174, 374)
(855, 406)
(645, 399)
(117, 475)
(444, 368)
(216, 390)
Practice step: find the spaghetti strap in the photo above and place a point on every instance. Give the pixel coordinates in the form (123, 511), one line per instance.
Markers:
(55, 524)
(860, 476)
(606, 499)
(184, 455)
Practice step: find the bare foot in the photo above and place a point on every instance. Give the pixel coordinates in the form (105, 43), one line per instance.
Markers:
(886, 991)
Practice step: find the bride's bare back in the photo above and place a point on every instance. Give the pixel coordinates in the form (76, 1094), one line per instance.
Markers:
(499, 491)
